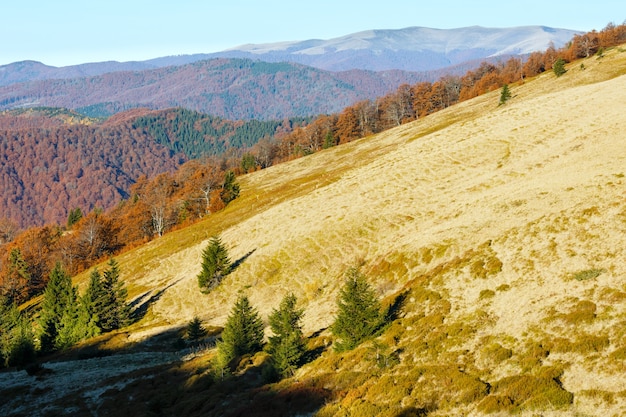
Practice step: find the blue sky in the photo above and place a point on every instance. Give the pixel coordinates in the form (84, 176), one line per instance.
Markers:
(67, 32)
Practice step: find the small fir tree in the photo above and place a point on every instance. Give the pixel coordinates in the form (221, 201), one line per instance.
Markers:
(70, 329)
(115, 312)
(195, 330)
(16, 280)
(215, 264)
(230, 188)
(58, 297)
(559, 67)
(74, 216)
(505, 94)
(92, 303)
(287, 344)
(359, 315)
(329, 140)
(17, 344)
(242, 334)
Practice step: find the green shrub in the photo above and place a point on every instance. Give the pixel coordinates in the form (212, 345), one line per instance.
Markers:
(559, 67)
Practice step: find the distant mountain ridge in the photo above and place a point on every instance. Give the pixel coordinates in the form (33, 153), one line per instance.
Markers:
(229, 88)
(408, 49)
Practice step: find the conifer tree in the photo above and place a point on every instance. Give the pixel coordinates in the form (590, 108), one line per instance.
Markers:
(15, 283)
(287, 344)
(242, 334)
(195, 330)
(70, 329)
(215, 264)
(505, 94)
(359, 315)
(92, 303)
(17, 345)
(74, 216)
(114, 311)
(230, 188)
(58, 297)
(559, 67)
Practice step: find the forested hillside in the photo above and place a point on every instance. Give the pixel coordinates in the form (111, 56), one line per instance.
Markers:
(56, 160)
(229, 88)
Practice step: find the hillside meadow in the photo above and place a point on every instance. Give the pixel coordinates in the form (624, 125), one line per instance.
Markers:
(498, 233)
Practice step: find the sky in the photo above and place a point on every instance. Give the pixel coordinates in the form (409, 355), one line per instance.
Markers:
(69, 32)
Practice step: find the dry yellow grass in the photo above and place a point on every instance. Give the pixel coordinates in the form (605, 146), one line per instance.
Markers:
(510, 201)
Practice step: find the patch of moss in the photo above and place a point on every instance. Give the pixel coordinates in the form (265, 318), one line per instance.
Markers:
(519, 393)
(486, 294)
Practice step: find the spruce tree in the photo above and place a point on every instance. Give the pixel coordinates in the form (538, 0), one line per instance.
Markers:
(559, 67)
(230, 188)
(195, 330)
(505, 94)
(92, 303)
(215, 264)
(17, 345)
(58, 297)
(70, 329)
(359, 315)
(114, 311)
(242, 334)
(15, 283)
(74, 216)
(287, 344)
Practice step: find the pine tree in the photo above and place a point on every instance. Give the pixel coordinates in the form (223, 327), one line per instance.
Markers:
(230, 188)
(359, 315)
(74, 216)
(329, 140)
(559, 67)
(242, 334)
(70, 330)
(58, 297)
(15, 283)
(215, 264)
(287, 345)
(92, 303)
(17, 345)
(114, 311)
(195, 330)
(505, 94)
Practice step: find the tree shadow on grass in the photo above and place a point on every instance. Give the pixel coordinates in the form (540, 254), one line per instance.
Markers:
(140, 305)
(394, 309)
(241, 260)
(172, 391)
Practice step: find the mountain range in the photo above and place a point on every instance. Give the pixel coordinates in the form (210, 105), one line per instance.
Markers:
(240, 82)
(409, 49)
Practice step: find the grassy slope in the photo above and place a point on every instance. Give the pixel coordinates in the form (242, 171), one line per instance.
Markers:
(505, 226)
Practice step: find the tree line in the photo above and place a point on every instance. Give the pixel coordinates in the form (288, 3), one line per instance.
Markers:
(411, 102)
